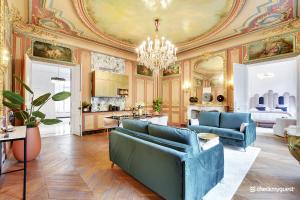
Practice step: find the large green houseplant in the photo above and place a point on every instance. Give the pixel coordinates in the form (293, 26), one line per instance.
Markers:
(32, 116)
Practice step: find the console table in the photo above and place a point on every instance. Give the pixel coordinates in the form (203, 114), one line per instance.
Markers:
(155, 119)
(18, 134)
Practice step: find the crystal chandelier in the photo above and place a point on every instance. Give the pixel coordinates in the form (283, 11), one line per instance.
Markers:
(158, 53)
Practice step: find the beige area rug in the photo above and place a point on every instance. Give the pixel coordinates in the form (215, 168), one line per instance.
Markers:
(237, 165)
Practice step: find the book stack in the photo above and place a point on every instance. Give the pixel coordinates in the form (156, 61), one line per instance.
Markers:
(207, 140)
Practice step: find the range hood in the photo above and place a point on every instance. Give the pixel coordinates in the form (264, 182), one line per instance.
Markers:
(107, 84)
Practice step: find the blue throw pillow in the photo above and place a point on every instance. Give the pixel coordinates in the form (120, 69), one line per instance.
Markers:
(234, 120)
(136, 125)
(261, 108)
(209, 119)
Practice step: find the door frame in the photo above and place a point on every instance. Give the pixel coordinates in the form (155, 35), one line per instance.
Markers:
(28, 69)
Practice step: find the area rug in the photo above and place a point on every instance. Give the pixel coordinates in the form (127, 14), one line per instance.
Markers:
(237, 165)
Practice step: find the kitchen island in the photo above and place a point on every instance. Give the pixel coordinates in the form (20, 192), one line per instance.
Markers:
(93, 121)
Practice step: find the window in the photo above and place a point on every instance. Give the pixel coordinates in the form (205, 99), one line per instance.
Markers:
(62, 106)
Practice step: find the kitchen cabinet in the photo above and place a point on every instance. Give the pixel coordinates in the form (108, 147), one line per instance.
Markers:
(92, 121)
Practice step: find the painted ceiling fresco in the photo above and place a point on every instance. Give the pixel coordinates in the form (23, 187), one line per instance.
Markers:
(189, 23)
(132, 20)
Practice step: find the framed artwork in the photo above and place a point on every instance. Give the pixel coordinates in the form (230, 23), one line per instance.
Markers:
(46, 50)
(271, 47)
(144, 71)
(172, 70)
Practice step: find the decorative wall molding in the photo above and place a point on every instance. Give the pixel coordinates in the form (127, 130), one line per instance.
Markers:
(51, 18)
(29, 30)
(107, 63)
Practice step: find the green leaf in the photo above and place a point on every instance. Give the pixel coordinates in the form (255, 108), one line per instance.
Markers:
(61, 96)
(22, 115)
(50, 121)
(14, 98)
(39, 114)
(23, 84)
(31, 124)
(11, 105)
(41, 99)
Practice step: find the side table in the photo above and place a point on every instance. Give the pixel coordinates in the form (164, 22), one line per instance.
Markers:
(18, 134)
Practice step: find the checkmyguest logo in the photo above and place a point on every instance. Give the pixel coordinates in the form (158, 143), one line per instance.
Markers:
(271, 189)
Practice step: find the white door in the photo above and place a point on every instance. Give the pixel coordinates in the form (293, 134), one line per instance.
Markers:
(240, 81)
(298, 91)
(76, 100)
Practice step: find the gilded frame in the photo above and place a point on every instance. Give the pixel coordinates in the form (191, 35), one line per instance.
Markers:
(267, 41)
(206, 56)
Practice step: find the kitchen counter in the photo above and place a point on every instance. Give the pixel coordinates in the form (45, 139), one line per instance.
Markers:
(106, 111)
(92, 121)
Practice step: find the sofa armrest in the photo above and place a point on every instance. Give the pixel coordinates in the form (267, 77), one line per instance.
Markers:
(203, 172)
(250, 133)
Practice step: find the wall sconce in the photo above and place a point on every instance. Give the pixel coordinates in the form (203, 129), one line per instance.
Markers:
(230, 83)
(187, 86)
(4, 59)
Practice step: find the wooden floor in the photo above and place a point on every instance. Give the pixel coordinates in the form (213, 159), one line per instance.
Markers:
(72, 167)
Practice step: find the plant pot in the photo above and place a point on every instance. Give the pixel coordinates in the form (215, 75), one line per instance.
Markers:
(156, 113)
(33, 145)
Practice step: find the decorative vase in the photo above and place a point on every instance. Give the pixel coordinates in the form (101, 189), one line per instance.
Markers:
(156, 113)
(140, 111)
(294, 146)
(33, 139)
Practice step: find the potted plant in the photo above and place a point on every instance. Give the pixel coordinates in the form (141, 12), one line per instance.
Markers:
(86, 106)
(31, 116)
(157, 106)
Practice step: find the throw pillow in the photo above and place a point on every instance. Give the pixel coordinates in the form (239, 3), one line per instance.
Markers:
(243, 127)
(194, 122)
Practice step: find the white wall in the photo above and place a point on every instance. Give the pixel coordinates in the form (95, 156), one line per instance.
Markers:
(284, 80)
(40, 82)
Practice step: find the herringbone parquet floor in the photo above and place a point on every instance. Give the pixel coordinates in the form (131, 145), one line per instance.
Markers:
(71, 167)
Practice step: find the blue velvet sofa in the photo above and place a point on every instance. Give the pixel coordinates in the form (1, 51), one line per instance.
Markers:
(227, 126)
(167, 160)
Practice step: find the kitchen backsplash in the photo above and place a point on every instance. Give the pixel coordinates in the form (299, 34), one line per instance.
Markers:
(102, 103)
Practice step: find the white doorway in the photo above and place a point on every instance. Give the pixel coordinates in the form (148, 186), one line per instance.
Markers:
(47, 77)
(268, 90)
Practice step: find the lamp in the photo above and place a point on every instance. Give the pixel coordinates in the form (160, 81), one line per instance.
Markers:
(156, 54)
(57, 79)
(187, 86)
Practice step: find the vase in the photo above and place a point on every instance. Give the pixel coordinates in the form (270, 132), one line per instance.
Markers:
(33, 139)
(155, 113)
(294, 146)
(140, 111)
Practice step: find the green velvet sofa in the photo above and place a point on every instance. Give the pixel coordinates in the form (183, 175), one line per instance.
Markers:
(228, 127)
(167, 160)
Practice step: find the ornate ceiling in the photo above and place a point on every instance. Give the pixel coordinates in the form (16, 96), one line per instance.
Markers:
(189, 23)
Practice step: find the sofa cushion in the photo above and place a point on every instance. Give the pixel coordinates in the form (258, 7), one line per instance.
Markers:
(136, 125)
(234, 120)
(201, 129)
(184, 136)
(167, 143)
(229, 133)
(209, 119)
